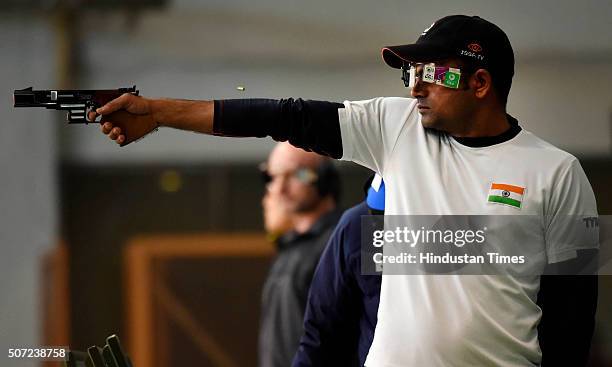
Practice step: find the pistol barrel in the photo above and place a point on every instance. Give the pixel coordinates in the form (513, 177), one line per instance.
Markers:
(24, 98)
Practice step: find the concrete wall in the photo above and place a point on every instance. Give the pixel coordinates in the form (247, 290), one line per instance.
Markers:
(28, 204)
(568, 103)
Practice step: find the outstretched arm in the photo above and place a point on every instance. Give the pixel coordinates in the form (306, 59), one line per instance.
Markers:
(311, 125)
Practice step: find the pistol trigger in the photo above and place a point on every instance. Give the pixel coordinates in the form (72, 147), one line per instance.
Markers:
(88, 109)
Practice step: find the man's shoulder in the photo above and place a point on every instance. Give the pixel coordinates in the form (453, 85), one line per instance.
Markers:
(353, 215)
(347, 233)
(543, 152)
(383, 103)
(350, 221)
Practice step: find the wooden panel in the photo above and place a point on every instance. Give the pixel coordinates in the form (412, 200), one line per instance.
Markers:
(55, 298)
(191, 299)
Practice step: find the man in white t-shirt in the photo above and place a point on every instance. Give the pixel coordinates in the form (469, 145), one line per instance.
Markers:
(450, 150)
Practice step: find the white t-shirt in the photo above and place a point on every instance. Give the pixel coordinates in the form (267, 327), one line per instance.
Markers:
(462, 320)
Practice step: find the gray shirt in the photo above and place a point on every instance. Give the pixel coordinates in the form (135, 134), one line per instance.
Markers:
(285, 291)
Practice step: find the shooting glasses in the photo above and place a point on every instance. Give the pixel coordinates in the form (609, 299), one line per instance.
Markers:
(304, 175)
(430, 73)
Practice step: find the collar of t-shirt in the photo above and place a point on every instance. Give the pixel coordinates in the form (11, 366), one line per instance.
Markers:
(492, 140)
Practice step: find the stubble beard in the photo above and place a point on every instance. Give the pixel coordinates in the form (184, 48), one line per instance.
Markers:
(308, 205)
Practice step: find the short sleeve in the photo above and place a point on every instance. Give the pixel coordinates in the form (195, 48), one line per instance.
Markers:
(571, 215)
(370, 129)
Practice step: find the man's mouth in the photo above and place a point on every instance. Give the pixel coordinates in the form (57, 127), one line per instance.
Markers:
(421, 105)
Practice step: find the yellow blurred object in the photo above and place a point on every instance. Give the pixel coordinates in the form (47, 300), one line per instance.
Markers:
(170, 181)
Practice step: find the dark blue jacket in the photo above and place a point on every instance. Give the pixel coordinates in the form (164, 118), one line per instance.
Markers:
(342, 304)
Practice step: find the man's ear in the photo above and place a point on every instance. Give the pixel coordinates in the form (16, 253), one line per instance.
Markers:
(482, 83)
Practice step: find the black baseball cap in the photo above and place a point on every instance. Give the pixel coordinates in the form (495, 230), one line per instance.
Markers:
(466, 37)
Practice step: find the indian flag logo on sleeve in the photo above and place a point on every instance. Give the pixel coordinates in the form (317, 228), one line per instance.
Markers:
(506, 194)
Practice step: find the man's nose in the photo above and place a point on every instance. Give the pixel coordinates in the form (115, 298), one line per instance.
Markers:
(278, 184)
(419, 89)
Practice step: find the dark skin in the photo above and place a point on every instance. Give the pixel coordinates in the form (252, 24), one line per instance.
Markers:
(129, 117)
(473, 110)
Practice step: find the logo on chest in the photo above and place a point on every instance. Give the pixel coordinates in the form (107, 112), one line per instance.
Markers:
(505, 194)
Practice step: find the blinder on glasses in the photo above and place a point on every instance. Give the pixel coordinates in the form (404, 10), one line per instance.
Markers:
(430, 73)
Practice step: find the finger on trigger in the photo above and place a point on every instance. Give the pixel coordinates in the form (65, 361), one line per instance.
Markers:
(112, 106)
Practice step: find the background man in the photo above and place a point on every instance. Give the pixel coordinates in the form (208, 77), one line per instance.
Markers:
(306, 187)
